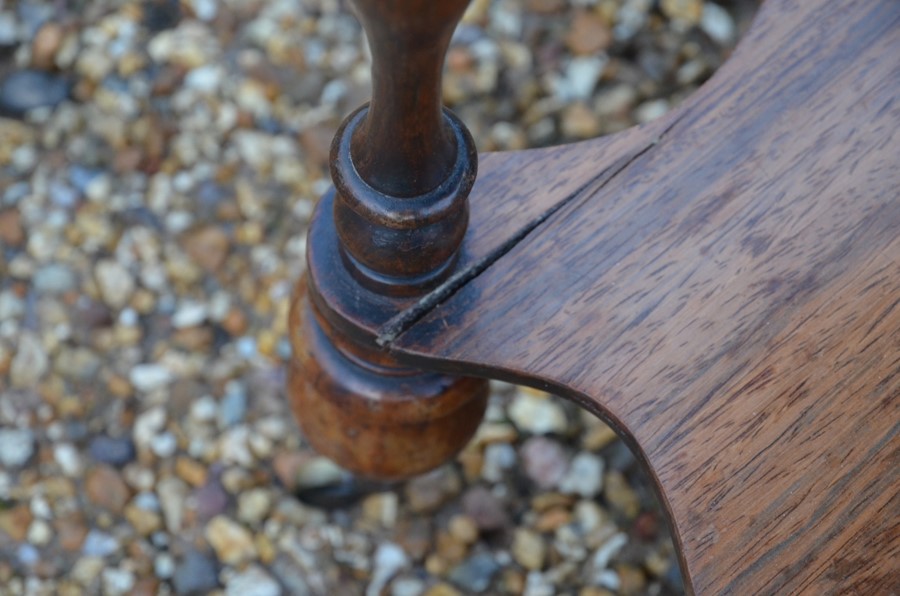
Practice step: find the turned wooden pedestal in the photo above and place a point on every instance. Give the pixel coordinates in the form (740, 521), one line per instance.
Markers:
(722, 286)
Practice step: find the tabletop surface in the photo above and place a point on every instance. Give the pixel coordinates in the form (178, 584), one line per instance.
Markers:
(723, 286)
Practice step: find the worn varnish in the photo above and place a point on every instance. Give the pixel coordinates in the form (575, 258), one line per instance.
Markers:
(723, 286)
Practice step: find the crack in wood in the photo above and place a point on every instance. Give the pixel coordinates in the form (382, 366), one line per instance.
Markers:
(391, 330)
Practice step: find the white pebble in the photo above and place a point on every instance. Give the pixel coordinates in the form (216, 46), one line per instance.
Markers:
(149, 377)
(164, 566)
(39, 532)
(189, 314)
(585, 476)
(115, 283)
(252, 582)
(16, 447)
(67, 458)
(147, 425)
(537, 415)
(717, 23)
(389, 559)
(205, 409)
(164, 445)
(117, 582)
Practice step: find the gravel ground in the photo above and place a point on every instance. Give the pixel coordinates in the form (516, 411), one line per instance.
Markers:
(159, 161)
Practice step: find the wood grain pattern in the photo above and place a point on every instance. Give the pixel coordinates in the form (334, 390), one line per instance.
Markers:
(728, 297)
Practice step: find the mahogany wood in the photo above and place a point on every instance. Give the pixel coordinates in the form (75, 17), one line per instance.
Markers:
(389, 231)
(723, 286)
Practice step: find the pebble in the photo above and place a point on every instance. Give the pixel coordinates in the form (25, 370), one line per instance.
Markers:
(585, 476)
(172, 493)
(115, 283)
(39, 532)
(67, 458)
(604, 554)
(115, 451)
(189, 314)
(204, 409)
(463, 528)
(544, 461)
(381, 508)
(498, 459)
(149, 377)
(539, 415)
(54, 279)
(30, 362)
(195, 574)
(164, 566)
(254, 505)
(12, 233)
(164, 445)
(620, 495)
(475, 573)
(589, 34)
(389, 559)
(150, 422)
(428, 492)
(99, 544)
(528, 549)
(16, 447)
(26, 90)
(106, 488)
(442, 589)
(580, 122)
(688, 11)
(234, 405)
(208, 246)
(485, 509)
(717, 23)
(117, 582)
(210, 499)
(407, 586)
(651, 110)
(253, 581)
(15, 521)
(232, 542)
(144, 521)
(28, 555)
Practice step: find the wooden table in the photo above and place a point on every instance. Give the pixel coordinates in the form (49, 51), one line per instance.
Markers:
(723, 287)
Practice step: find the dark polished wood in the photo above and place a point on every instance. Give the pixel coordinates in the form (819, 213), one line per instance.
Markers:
(404, 148)
(723, 287)
(388, 233)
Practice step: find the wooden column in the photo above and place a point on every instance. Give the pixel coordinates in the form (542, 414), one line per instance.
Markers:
(389, 232)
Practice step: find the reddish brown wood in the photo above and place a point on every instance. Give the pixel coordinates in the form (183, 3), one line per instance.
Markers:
(389, 232)
(726, 294)
(404, 148)
(369, 413)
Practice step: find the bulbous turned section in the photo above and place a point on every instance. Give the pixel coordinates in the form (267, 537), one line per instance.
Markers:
(375, 419)
(389, 233)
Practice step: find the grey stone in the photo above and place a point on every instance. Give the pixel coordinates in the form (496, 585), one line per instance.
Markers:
(196, 574)
(115, 451)
(26, 90)
(475, 573)
(16, 447)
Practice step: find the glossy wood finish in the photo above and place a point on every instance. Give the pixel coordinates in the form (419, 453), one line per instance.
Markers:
(404, 148)
(389, 232)
(723, 286)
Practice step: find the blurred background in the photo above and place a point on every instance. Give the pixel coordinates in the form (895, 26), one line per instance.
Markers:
(159, 162)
